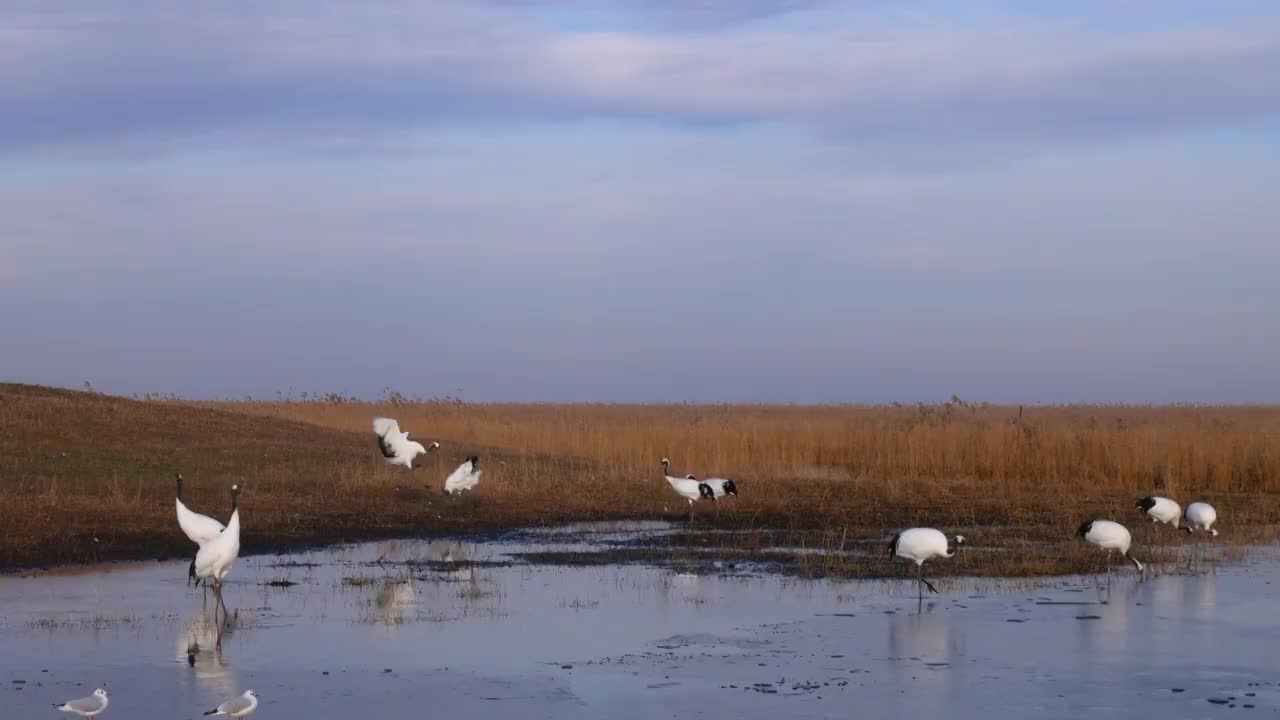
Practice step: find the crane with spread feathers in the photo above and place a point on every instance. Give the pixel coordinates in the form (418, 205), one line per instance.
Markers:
(465, 477)
(396, 447)
(198, 528)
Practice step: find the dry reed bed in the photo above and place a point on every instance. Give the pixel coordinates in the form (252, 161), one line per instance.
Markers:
(85, 477)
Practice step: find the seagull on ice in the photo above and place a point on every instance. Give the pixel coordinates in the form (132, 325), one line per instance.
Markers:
(87, 706)
(396, 447)
(465, 477)
(238, 707)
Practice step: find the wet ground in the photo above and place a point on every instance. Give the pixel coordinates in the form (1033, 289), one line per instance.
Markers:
(453, 628)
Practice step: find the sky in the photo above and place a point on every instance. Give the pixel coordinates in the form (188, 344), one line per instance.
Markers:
(644, 200)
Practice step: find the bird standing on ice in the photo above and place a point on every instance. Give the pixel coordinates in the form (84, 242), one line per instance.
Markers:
(1160, 509)
(1109, 536)
(198, 528)
(1201, 516)
(921, 544)
(689, 488)
(465, 477)
(238, 707)
(88, 707)
(396, 447)
(218, 555)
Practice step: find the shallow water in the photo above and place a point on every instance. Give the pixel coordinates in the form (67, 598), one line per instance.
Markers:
(423, 628)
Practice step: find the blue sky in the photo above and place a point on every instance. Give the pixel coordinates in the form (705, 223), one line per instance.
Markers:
(759, 200)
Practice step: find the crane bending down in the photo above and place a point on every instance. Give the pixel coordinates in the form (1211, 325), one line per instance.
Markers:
(921, 544)
(1201, 516)
(1109, 536)
(1160, 509)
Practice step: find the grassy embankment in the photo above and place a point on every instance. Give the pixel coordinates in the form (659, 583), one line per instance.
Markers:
(85, 477)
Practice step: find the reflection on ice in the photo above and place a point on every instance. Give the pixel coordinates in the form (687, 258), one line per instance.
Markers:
(461, 626)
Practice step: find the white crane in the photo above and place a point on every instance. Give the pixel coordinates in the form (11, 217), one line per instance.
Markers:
(465, 477)
(1160, 509)
(238, 707)
(921, 544)
(689, 488)
(1109, 536)
(218, 555)
(396, 447)
(89, 707)
(198, 528)
(1201, 516)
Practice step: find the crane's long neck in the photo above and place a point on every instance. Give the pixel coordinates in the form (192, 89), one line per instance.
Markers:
(233, 525)
(666, 473)
(179, 482)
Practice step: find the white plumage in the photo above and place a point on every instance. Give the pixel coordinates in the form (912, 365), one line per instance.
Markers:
(396, 447)
(1109, 536)
(89, 706)
(1160, 509)
(1201, 516)
(465, 477)
(921, 544)
(200, 529)
(218, 555)
(237, 707)
(720, 487)
(689, 488)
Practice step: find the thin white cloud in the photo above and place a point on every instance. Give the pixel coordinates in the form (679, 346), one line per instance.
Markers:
(97, 71)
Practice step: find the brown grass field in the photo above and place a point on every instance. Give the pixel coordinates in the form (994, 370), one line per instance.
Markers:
(86, 477)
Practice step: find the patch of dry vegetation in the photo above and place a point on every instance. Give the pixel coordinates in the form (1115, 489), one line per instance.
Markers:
(77, 466)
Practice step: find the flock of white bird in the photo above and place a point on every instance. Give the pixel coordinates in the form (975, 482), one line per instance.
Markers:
(921, 544)
(218, 545)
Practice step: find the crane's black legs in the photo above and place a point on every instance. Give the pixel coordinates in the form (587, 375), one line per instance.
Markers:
(924, 583)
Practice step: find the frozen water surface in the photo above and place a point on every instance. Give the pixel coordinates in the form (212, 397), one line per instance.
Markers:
(439, 628)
